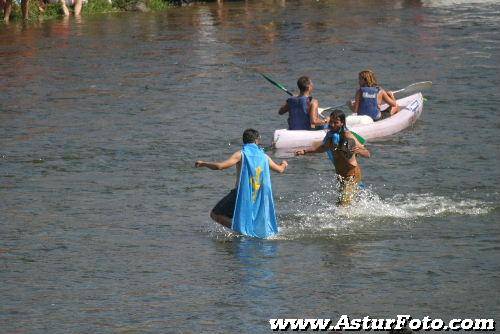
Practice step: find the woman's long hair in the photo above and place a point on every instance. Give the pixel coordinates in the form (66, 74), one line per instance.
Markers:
(368, 78)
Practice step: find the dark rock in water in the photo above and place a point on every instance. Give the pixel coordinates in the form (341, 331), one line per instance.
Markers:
(181, 2)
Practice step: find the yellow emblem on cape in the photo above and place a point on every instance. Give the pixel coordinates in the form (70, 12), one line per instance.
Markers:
(255, 183)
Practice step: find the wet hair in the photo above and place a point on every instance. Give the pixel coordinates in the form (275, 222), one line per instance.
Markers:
(337, 113)
(250, 136)
(345, 145)
(303, 83)
(368, 78)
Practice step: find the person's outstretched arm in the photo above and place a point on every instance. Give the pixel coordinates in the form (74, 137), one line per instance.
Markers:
(319, 149)
(277, 168)
(233, 160)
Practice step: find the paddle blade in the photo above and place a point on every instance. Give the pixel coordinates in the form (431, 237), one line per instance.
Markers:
(413, 88)
(359, 138)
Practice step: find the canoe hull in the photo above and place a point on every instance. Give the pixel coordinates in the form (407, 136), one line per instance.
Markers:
(410, 110)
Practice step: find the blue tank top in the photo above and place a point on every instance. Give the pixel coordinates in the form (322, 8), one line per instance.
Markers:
(299, 113)
(368, 104)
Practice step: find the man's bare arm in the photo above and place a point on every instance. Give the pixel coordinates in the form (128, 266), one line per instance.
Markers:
(277, 168)
(318, 149)
(359, 149)
(284, 109)
(314, 115)
(233, 160)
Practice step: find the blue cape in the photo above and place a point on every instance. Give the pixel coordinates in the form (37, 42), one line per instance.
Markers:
(335, 137)
(254, 211)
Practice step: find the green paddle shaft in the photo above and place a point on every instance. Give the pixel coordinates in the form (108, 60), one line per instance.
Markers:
(359, 138)
(280, 86)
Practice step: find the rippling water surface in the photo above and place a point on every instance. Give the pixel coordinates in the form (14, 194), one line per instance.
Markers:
(104, 222)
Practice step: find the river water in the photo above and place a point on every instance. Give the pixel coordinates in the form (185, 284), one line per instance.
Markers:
(104, 224)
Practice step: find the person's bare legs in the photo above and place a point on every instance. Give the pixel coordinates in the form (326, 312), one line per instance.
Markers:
(78, 7)
(223, 220)
(6, 10)
(24, 8)
(348, 190)
(396, 108)
(64, 7)
(41, 6)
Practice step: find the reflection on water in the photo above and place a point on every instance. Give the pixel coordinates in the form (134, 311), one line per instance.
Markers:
(254, 256)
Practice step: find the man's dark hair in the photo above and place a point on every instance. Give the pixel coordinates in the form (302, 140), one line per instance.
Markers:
(337, 113)
(303, 83)
(250, 136)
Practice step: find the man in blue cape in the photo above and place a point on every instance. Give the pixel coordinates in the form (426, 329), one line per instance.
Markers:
(248, 208)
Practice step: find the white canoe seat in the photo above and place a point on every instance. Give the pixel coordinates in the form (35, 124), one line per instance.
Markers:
(354, 119)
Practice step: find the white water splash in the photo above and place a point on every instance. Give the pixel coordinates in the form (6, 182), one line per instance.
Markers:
(317, 215)
(428, 205)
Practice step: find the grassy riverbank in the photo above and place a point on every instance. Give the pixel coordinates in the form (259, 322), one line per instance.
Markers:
(50, 11)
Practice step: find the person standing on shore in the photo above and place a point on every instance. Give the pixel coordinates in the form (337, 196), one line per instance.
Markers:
(343, 147)
(248, 208)
(77, 6)
(7, 9)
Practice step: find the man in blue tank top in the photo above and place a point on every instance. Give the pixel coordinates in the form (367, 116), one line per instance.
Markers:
(303, 109)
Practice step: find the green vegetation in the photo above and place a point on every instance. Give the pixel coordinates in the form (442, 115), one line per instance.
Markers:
(157, 5)
(52, 11)
(97, 6)
(36, 13)
(125, 4)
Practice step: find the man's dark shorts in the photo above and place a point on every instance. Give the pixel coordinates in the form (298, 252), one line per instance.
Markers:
(226, 205)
